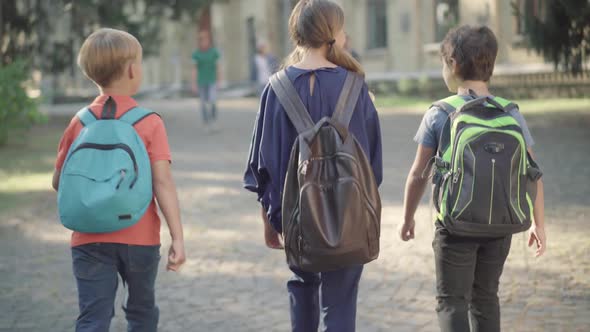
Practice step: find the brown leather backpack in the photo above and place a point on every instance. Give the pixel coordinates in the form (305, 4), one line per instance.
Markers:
(331, 206)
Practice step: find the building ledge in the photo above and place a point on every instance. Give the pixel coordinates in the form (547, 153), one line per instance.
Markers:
(500, 70)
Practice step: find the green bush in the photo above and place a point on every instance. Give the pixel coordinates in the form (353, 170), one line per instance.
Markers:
(17, 110)
(406, 86)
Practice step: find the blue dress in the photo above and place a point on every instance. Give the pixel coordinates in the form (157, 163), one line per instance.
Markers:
(274, 135)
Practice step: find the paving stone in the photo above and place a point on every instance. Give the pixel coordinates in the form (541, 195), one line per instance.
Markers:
(233, 283)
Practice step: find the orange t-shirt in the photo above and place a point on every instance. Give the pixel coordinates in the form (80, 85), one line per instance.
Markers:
(153, 133)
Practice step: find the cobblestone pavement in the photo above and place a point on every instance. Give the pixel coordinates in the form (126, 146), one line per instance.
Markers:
(231, 282)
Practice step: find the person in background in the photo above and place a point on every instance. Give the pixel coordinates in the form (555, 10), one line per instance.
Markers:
(265, 65)
(350, 50)
(206, 77)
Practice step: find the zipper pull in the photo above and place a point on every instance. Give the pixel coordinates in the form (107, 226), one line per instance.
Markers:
(304, 167)
(456, 175)
(121, 179)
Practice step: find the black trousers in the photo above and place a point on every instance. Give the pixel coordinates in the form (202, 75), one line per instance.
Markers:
(468, 273)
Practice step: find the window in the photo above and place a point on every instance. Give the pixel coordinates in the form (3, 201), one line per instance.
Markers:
(446, 17)
(522, 8)
(377, 24)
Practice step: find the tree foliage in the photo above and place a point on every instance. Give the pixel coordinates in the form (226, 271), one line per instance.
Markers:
(17, 110)
(27, 27)
(46, 35)
(559, 30)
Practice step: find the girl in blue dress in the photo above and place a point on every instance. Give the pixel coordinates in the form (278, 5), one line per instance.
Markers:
(317, 68)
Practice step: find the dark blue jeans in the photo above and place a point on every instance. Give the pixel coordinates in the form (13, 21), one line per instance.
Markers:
(96, 268)
(208, 97)
(331, 295)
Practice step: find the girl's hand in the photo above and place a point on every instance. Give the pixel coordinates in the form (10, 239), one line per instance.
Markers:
(537, 236)
(272, 238)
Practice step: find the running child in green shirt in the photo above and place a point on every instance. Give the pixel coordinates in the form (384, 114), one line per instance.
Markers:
(206, 75)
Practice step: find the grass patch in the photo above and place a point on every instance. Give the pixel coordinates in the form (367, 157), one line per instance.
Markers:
(27, 165)
(554, 105)
(400, 103)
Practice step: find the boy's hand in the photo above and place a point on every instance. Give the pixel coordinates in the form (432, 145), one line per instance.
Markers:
(406, 230)
(272, 238)
(176, 256)
(537, 235)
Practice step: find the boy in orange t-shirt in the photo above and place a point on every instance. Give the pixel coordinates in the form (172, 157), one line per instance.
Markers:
(112, 60)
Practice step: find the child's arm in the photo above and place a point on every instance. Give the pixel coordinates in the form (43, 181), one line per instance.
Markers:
(537, 232)
(219, 73)
(415, 185)
(55, 180)
(165, 191)
(272, 238)
(65, 142)
(194, 80)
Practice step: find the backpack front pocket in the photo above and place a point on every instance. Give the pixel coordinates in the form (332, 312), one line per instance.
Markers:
(100, 162)
(487, 176)
(97, 177)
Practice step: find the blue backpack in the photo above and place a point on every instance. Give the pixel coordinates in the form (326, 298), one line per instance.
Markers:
(106, 180)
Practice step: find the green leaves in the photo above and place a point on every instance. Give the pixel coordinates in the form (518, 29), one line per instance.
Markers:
(17, 110)
(557, 29)
(29, 29)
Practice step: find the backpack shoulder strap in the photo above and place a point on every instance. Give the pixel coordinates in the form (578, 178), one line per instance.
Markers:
(449, 104)
(135, 115)
(506, 104)
(500, 103)
(444, 139)
(291, 102)
(348, 98)
(86, 116)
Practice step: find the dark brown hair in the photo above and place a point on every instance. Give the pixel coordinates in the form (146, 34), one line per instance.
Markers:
(314, 23)
(474, 49)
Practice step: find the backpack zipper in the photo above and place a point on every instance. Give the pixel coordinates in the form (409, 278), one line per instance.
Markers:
(120, 179)
(302, 168)
(492, 193)
(501, 129)
(506, 132)
(106, 147)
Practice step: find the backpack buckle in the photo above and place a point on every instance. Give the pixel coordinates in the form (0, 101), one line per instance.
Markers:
(440, 163)
(534, 173)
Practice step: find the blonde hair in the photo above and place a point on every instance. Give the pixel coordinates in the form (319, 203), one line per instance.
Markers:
(105, 54)
(314, 23)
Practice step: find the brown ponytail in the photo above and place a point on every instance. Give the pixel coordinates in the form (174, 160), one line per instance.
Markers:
(343, 59)
(314, 23)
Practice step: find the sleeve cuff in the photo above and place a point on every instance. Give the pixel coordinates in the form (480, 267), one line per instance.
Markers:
(155, 158)
(423, 143)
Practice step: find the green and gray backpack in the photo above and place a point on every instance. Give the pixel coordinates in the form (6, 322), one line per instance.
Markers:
(484, 178)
